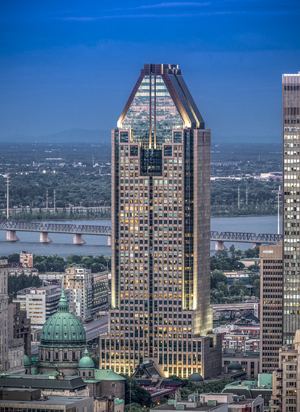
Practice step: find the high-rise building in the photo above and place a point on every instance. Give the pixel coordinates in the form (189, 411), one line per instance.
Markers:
(271, 288)
(291, 214)
(3, 315)
(286, 379)
(39, 303)
(161, 232)
(78, 282)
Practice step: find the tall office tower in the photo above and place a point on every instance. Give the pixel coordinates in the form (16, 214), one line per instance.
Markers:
(291, 215)
(3, 315)
(271, 288)
(161, 232)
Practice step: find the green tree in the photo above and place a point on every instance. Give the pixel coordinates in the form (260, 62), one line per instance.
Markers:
(16, 283)
(135, 394)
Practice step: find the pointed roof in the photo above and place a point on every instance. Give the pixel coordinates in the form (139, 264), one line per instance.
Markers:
(63, 305)
(172, 77)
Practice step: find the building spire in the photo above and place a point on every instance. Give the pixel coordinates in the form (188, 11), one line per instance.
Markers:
(63, 305)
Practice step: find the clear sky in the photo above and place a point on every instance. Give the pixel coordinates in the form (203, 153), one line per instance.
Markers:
(72, 64)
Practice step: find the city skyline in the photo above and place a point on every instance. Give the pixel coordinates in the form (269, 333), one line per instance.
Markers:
(59, 61)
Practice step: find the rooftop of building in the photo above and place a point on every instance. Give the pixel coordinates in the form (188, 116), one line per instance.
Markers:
(231, 353)
(185, 406)
(49, 400)
(264, 382)
(33, 289)
(40, 381)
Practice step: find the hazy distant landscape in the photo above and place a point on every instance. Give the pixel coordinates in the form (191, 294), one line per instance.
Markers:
(79, 173)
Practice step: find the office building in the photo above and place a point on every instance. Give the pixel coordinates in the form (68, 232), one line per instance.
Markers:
(101, 292)
(271, 316)
(3, 315)
(291, 207)
(26, 260)
(78, 282)
(161, 232)
(286, 379)
(39, 303)
(19, 326)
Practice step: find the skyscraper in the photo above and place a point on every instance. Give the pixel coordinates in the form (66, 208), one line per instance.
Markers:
(291, 184)
(271, 285)
(3, 315)
(161, 232)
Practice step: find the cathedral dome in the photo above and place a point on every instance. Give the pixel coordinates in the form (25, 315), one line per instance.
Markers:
(86, 362)
(63, 328)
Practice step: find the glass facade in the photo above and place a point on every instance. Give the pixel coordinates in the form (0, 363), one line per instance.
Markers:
(152, 114)
(291, 141)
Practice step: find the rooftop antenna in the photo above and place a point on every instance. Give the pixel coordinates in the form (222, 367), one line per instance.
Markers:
(47, 200)
(54, 200)
(278, 209)
(7, 180)
(6, 177)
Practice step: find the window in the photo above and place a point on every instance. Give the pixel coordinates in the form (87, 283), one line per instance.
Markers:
(134, 150)
(177, 137)
(123, 137)
(168, 151)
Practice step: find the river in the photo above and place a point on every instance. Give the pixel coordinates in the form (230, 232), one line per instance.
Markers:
(96, 245)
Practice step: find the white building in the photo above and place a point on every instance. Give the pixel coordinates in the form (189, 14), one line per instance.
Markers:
(78, 282)
(39, 303)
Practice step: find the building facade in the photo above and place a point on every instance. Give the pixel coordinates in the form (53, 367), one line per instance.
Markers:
(39, 303)
(161, 232)
(291, 215)
(286, 379)
(26, 259)
(3, 315)
(78, 282)
(271, 306)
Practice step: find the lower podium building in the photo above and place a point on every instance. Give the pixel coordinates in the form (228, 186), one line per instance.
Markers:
(161, 233)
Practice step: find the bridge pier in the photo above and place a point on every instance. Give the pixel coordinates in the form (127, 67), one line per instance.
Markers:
(108, 241)
(78, 239)
(11, 236)
(219, 245)
(44, 238)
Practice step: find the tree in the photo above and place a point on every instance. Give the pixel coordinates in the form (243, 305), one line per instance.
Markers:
(14, 258)
(16, 283)
(136, 394)
(217, 277)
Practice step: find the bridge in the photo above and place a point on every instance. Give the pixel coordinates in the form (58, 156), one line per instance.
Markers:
(12, 227)
(243, 237)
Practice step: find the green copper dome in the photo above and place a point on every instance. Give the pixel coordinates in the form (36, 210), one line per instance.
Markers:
(63, 328)
(86, 361)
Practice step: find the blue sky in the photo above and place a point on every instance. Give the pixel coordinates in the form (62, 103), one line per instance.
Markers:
(72, 64)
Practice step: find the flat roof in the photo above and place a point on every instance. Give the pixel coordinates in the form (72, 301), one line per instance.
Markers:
(50, 400)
